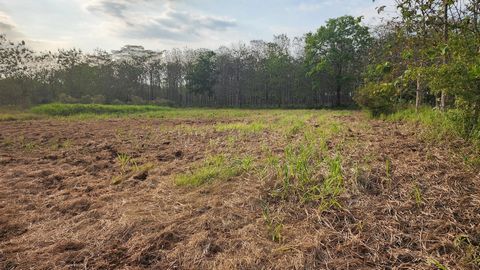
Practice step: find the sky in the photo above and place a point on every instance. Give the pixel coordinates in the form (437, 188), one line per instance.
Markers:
(166, 24)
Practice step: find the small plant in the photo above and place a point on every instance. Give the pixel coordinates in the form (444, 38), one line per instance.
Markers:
(125, 161)
(129, 167)
(388, 172)
(470, 248)
(437, 264)
(417, 195)
(388, 168)
(28, 145)
(274, 227)
(57, 144)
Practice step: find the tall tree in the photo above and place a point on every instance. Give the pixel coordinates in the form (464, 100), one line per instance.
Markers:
(202, 75)
(337, 48)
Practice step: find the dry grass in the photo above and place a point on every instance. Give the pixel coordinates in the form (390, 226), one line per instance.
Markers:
(269, 190)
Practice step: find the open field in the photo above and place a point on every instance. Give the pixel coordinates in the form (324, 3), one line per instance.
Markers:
(159, 188)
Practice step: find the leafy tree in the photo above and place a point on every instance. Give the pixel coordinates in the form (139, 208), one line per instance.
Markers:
(338, 49)
(202, 75)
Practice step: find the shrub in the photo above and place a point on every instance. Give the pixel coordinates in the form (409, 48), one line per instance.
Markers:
(136, 100)
(99, 99)
(378, 98)
(162, 102)
(64, 98)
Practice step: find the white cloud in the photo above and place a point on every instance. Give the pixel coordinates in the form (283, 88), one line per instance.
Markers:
(8, 27)
(133, 19)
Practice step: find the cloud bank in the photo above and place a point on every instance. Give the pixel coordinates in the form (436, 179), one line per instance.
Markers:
(133, 19)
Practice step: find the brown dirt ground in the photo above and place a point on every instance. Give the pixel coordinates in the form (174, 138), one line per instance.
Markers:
(60, 210)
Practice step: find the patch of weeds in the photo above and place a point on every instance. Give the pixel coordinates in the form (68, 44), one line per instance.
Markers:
(57, 144)
(295, 128)
(26, 144)
(217, 167)
(297, 173)
(301, 179)
(470, 248)
(307, 172)
(247, 128)
(130, 167)
(333, 185)
(190, 129)
(231, 141)
(274, 226)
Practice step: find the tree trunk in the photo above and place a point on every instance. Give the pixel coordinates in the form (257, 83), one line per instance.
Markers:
(443, 97)
(339, 98)
(419, 94)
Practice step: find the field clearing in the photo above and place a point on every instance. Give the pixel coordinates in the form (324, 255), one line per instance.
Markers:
(233, 189)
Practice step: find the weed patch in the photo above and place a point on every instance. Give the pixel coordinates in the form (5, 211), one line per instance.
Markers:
(214, 168)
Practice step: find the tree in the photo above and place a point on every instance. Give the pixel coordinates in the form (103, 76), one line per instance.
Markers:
(338, 49)
(202, 75)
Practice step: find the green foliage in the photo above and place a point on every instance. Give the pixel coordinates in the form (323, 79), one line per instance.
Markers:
(202, 75)
(337, 49)
(378, 98)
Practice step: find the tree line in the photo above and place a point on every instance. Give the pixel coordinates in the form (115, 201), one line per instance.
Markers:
(287, 73)
(426, 54)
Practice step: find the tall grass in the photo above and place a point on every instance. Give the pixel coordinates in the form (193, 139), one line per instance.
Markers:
(58, 109)
(439, 126)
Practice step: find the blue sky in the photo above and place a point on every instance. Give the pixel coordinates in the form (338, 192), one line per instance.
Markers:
(164, 24)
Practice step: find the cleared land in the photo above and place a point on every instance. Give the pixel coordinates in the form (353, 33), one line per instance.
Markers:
(234, 189)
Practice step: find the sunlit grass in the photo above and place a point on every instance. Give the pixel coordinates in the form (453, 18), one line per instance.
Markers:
(253, 127)
(215, 168)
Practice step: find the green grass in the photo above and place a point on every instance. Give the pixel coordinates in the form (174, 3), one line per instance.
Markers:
(242, 127)
(17, 116)
(439, 126)
(443, 128)
(215, 168)
(308, 170)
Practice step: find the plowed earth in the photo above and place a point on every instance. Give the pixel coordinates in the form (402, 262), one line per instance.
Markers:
(407, 204)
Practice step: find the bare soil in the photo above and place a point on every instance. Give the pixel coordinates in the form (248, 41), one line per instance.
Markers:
(60, 210)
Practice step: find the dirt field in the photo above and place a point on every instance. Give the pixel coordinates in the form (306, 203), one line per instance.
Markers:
(117, 194)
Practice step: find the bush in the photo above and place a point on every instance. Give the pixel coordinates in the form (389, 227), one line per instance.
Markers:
(64, 98)
(117, 102)
(136, 100)
(98, 99)
(162, 102)
(86, 99)
(378, 98)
